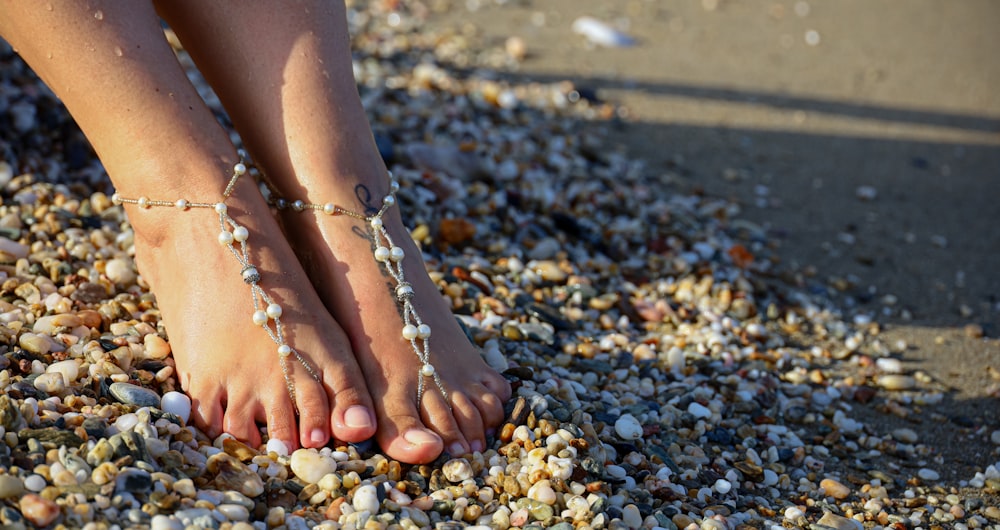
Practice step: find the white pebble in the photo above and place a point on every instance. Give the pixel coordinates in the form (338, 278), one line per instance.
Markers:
(995, 437)
(311, 466)
(905, 435)
(178, 404)
(628, 428)
(163, 522)
(366, 499)
(120, 271)
(793, 514)
(277, 447)
(723, 486)
(698, 410)
(928, 474)
(34, 483)
(631, 516)
(234, 512)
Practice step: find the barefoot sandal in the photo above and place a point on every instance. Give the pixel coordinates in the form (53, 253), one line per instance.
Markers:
(266, 313)
(415, 331)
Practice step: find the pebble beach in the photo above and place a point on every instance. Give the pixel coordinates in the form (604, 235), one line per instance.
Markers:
(668, 372)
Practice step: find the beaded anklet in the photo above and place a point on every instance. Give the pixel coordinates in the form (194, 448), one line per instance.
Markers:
(391, 256)
(265, 310)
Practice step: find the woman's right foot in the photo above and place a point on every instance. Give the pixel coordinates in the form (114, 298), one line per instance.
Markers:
(228, 364)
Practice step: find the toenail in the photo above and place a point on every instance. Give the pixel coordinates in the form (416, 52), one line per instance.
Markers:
(318, 436)
(358, 417)
(420, 437)
(456, 449)
(477, 446)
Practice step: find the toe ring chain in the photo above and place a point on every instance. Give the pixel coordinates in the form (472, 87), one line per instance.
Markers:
(266, 312)
(414, 330)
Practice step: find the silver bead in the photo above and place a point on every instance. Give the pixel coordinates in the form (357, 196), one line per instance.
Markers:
(298, 206)
(404, 291)
(250, 274)
(388, 200)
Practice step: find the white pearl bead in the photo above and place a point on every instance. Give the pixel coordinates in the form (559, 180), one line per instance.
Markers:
(409, 332)
(404, 290)
(427, 370)
(388, 200)
(182, 204)
(143, 202)
(116, 199)
(298, 206)
(221, 208)
(240, 168)
(394, 186)
(259, 317)
(396, 254)
(423, 331)
(381, 253)
(226, 238)
(273, 310)
(376, 222)
(329, 208)
(284, 350)
(240, 233)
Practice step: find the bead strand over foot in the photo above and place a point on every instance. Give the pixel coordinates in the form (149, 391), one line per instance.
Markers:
(266, 313)
(415, 331)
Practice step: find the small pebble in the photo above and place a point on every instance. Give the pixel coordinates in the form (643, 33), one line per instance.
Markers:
(628, 428)
(311, 466)
(134, 395)
(176, 403)
(366, 499)
(928, 474)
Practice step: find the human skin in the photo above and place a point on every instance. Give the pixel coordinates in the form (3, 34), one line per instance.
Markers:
(294, 103)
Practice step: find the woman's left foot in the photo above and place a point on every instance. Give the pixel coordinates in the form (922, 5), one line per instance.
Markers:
(337, 253)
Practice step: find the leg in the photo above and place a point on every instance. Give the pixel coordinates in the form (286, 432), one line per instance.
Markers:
(111, 66)
(295, 103)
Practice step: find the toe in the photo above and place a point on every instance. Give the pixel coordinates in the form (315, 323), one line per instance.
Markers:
(489, 405)
(281, 421)
(402, 435)
(442, 419)
(314, 413)
(470, 421)
(206, 412)
(497, 385)
(239, 420)
(352, 417)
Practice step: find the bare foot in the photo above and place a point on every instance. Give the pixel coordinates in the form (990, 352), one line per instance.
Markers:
(228, 364)
(337, 254)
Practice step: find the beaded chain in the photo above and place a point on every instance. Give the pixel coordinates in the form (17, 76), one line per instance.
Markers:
(415, 331)
(266, 313)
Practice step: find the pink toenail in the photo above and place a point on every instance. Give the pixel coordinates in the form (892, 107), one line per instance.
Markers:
(318, 436)
(420, 437)
(456, 449)
(477, 446)
(358, 417)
